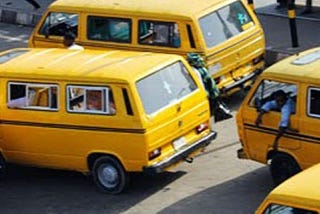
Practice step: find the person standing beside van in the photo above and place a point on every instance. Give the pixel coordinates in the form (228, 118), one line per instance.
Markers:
(217, 108)
(69, 41)
(282, 103)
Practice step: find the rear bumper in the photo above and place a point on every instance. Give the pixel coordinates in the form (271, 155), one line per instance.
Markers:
(240, 83)
(180, 155)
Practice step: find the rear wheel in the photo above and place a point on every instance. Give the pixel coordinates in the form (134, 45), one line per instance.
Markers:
(3, 167)
(109, 175)
(282, 167)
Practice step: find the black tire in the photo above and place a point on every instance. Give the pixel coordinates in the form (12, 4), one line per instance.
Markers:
(109, 175)
(3, 167)
(282, 167)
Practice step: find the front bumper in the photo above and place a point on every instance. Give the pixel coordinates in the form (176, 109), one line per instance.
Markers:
(180, 155)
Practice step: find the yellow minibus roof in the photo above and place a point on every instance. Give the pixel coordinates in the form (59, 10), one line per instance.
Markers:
(303, 188)
(183, 8)
(303, 67)
(98, 65)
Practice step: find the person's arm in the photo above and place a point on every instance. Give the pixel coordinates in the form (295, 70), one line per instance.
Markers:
(259, 118)
(280, 133)
(284, 123)
(17, 103)
(264, 109)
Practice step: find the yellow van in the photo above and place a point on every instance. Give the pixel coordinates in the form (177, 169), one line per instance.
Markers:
(105, 113)
(227, 34)
(299, 147)
(297, 195)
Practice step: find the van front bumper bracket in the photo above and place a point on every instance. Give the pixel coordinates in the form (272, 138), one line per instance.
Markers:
(180, 155)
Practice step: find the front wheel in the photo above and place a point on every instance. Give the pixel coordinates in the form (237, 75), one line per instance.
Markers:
(282, 167)
(109, 175)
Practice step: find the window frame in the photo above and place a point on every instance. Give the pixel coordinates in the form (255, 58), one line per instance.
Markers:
(105, 101)
(35, 85)
(96, 17)
(171, 26)
(309, 102)
(252, 102)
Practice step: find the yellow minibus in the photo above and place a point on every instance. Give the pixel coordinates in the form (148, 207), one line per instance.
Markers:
(298, 78)
(297, 195)
(102, 113)
(227, 34)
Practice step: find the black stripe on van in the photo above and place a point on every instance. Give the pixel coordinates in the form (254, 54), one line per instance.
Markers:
(292, 135)
(75, 127)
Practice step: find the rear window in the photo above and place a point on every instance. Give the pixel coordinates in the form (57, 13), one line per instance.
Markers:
(225, 23)
(164, 87)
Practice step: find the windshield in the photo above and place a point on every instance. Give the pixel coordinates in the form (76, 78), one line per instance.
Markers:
(225, 23)
(165, 86)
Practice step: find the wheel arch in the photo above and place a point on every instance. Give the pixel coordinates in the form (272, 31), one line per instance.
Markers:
(272, 153)
(92, 157)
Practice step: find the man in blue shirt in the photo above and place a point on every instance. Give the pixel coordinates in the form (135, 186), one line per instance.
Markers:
(282, 103)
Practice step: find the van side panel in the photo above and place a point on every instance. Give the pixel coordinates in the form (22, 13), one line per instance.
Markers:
(309, 127)
(64, 140)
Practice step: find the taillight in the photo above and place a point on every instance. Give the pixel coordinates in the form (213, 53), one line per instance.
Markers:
(155, 153)
(202, 127)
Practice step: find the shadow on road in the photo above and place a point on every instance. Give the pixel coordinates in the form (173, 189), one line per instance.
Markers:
(33, 190)
(241, 195)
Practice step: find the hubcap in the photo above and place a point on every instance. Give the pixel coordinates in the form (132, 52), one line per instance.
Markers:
(108, 175)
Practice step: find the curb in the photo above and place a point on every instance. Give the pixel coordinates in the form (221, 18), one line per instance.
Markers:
(19, 17)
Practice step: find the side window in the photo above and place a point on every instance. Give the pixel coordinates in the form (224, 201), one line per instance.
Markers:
(89, 99)
(314, 102)
(265, 92)
(109, 29)
(57, 23)
(159, 33)
(281, 209)
(32, 96)
(127, 102)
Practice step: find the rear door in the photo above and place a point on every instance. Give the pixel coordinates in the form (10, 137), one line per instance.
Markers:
(175, 104)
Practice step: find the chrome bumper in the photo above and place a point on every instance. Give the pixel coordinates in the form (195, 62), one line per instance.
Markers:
(182, 154)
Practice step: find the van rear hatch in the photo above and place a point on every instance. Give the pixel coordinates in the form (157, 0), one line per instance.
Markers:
(177, 116)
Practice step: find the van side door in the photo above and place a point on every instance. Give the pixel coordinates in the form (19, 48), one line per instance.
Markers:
(260, 139)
